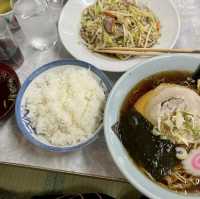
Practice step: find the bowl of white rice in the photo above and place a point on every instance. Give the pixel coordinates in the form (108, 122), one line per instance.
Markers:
(60, 106)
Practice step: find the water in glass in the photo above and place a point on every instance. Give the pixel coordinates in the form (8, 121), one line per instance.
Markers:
(37, 23)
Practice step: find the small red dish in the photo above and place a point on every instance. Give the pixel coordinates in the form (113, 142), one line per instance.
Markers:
(9, 87)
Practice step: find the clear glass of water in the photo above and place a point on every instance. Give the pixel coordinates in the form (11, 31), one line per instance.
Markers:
(189, 11)
(37, 21)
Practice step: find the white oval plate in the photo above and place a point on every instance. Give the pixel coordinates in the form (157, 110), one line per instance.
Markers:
(69, 28)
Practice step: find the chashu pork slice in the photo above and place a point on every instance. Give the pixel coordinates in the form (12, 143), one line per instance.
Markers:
(165, 99)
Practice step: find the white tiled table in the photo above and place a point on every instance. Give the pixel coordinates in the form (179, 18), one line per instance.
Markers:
(95, 159)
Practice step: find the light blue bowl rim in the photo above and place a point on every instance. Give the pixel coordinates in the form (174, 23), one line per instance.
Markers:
(31, 77)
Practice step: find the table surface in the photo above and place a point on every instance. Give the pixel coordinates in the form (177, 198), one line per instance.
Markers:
(93, 160)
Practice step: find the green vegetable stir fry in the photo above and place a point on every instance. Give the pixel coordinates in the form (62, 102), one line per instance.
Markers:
(119, 23)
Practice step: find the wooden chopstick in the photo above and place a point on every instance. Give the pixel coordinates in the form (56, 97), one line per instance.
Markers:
(144, 51)
(123, 52)
(165, 50)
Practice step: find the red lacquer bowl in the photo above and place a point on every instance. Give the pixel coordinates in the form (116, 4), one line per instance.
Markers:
(9, 87)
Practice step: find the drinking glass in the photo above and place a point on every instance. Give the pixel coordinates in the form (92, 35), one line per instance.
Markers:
(10, 53)
(37, 22)
(189, 11)
(7, 13)
(55, 7)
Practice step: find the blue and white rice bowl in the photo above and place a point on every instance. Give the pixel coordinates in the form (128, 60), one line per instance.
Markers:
(24, 123)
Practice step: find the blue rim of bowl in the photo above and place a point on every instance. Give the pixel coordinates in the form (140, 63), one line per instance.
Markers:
(28, 81)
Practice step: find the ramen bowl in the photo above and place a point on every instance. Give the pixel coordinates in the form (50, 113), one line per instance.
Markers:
(112, 112)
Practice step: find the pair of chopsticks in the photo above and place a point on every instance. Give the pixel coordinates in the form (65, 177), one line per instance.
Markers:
(144, 51)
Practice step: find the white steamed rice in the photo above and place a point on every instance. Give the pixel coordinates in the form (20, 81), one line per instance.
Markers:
(65, 105)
